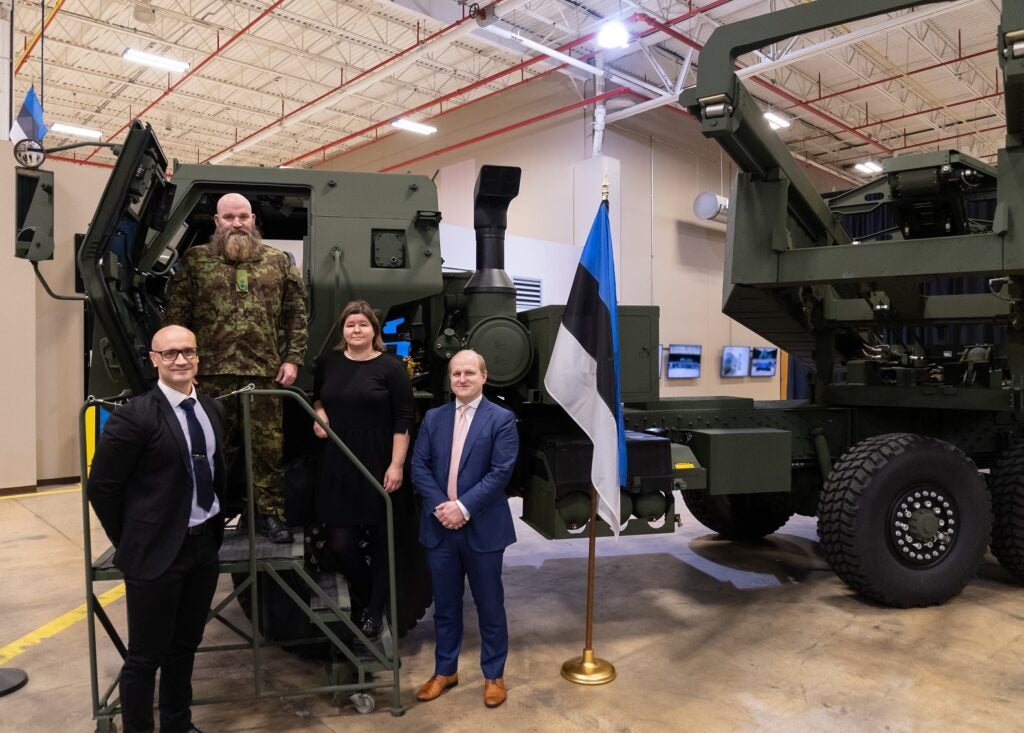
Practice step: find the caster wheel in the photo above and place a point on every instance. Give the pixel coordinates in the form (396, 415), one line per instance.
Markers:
(363, 702)
(106, 726)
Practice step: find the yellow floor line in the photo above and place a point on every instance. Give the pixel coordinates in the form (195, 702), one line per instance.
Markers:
(44, 632)
(43, 493)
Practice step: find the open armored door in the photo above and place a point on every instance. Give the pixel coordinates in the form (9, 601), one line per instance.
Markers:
(122, 289)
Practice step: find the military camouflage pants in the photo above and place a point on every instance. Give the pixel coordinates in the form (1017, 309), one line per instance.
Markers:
(267, 438)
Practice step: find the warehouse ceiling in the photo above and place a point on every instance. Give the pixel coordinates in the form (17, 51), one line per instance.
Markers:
(295, 82)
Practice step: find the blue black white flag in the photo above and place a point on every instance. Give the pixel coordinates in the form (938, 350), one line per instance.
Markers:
(583, 374)
(29, 123)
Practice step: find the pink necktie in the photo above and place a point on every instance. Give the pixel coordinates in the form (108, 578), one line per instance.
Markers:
(458, 441)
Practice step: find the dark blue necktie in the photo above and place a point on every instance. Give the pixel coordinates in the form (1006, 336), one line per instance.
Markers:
(200, 463)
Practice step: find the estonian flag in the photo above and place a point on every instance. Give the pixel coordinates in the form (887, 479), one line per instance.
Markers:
(583, 374)
(29, 124)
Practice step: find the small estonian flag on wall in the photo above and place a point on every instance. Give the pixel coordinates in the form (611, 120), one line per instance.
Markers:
(29, 123)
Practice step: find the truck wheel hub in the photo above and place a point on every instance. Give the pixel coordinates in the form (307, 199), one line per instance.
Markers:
(922, 525)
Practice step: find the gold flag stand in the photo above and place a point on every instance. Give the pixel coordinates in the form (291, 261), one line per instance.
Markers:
(588, 669)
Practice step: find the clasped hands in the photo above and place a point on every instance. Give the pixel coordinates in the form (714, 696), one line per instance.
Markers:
(449, 515)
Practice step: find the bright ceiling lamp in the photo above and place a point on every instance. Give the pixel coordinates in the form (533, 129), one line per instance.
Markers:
(151, 59)
(613, 35)
(76, 130)
(418, 127)
(868, 167)
(776, 120)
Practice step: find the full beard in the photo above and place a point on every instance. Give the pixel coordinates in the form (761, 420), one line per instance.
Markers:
(236, 246)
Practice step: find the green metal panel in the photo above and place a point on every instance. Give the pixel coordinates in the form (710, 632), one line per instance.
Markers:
(638, 348)
(33, 214)
(744, 460)
(978, 254)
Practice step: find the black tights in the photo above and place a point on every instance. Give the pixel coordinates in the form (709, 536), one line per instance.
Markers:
(368, 584)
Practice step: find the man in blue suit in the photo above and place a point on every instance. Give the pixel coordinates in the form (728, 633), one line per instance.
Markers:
(461, 464)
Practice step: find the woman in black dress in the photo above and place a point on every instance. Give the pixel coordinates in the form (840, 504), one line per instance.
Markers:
(364, 394)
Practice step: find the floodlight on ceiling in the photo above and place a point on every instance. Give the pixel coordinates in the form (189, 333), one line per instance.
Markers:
(157, 62)
(410, 126)
(613, 34)
(66, 129)
(776, 121)
(868, 167)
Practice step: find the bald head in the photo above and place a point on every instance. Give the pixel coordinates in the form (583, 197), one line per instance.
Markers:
(233, 201)
(173, 353)
(234, 212)
(172, 334)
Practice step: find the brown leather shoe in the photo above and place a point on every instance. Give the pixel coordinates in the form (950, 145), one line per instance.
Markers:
(437, 686)
(494, 692)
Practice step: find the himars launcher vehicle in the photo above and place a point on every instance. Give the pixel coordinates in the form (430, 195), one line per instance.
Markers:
(909, 449)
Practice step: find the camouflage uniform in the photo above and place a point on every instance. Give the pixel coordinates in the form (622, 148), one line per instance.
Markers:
(237, 311)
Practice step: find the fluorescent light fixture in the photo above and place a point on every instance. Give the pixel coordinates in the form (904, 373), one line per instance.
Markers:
(776, 120)
(418, 127)
(868, 167)
(613, 35)
(76, 130)
(151, 59)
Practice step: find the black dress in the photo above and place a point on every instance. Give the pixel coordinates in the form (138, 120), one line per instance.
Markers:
(367, 402)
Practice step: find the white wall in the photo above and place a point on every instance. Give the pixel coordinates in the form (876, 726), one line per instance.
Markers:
(60, 324)
(42, 337)
(18, 340)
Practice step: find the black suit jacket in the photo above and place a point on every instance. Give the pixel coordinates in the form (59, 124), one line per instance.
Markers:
(140, 482)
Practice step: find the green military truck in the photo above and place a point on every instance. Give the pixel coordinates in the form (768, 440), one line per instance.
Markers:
(908, 448)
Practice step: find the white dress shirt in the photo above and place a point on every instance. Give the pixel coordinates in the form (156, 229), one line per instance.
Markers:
(471, 408)
(198, 515)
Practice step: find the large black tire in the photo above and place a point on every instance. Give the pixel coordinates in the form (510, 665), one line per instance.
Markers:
(905, 519)
(1006, 484)
(740, 516)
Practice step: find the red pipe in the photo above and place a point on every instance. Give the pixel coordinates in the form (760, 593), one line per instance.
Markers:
(510, 128)
(351, 81)
(908, 115)
(451, 95)
(79, 161)
(777, 90)
(930, 67)
(187, 75)
(911, 146)
(27, 51)
(512, 69)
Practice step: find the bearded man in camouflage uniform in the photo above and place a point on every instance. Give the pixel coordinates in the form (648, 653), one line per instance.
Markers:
(237, 294)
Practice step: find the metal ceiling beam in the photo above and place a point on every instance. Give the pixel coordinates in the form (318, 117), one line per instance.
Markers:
(195, 69)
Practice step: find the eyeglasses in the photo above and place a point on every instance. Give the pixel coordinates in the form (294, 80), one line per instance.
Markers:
(169, 356)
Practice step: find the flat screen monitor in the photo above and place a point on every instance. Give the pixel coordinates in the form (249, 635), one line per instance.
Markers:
(735, 361)
(763, 361)
(683, 361)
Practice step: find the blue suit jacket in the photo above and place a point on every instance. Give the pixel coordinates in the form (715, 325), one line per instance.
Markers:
(488, 457)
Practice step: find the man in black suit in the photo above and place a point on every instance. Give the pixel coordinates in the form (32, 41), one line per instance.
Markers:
(156, 487)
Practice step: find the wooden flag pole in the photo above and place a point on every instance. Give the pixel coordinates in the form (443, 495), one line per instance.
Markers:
(588, 669)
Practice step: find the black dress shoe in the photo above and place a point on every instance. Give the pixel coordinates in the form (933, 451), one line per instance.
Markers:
(275, 530)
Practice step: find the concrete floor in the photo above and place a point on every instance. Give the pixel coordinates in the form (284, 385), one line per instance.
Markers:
(705, 635)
